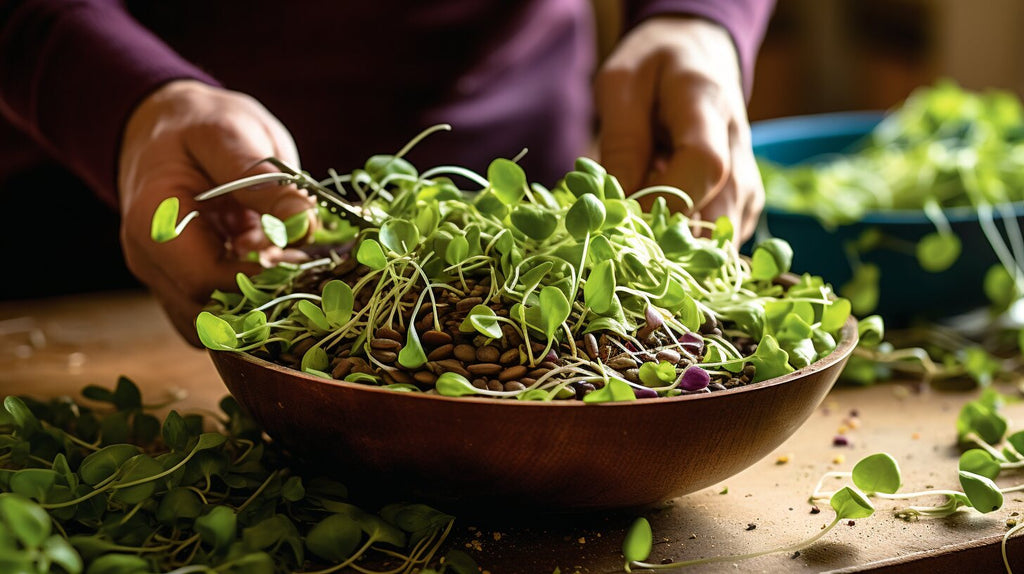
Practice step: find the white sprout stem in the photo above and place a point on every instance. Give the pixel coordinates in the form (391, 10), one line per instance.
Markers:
(1009, 218)
(456, 170)
(666, 189)
(283, 298)
(933, 212)
(1002, 547)
(420, 137)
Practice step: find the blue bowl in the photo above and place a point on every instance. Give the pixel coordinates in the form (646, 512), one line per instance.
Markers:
(906, 290)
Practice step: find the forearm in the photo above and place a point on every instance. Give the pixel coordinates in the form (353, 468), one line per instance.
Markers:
(71, 72)
(745, 20)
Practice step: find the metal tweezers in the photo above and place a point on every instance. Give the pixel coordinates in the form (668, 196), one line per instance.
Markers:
(289, 175)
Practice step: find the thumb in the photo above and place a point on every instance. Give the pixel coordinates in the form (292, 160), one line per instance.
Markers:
(625, 97)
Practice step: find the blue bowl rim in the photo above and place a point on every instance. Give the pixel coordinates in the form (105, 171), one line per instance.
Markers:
(849, 123)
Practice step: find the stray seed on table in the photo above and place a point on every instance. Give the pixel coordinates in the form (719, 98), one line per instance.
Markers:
(442, 352)
(486, 369)
(513, 373)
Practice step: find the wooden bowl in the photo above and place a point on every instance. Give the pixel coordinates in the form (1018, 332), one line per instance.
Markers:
(563, 455)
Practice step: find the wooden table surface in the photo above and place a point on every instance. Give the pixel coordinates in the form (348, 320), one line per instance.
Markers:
(53, 347)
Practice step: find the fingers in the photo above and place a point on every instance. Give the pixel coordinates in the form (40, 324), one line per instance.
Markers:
(697, 122)
(236, 147)
(624, 94)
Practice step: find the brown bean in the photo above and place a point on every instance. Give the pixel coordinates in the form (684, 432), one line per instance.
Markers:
(485, 369)
(435, 338)
(425, 378)
(526, 381)
(537, 373)
(479, 383)
(513, 373)
(622, 362)
(590, 346)
(397, 376)
(513, 386)
(468, 303)
(300, 348)
(548, 365)
(442, 352)
(342, 369)
(488, 354)
(385, 356)
(465, 352)
(383, 344)
(510, 357)
(632, 375)
(668, 355)
(495, 386)
(388, 333)
(450, 365)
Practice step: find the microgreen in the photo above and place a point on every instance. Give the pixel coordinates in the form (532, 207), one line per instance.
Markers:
(506, 260)
(182, 500)
(165, 225)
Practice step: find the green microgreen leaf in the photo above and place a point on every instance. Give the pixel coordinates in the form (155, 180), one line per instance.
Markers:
(981, 420)
(315, 314)
(535, 222)
(275, 230)
(316, 359)
(250, 291)
(371, 255)
(724, 231)
(834, 316)
(399, 235)
(296, 227)
(337, 301)
(582, 184)
(614, 391)
(770, 360)
(457, 251)
(981, 462)
(599, 289)
(215, 333)
(165, 226)
(585, 216)
(871, 331)
(334, 538)
(984, 495)
(103, 463)
(862, 288)
(877, 473)
(454, 385)
(657, 374)
(508, 181)
(636, 547)
(412, 355)
(771, 258)
(217, 527)
(850, 503)
(938, 251)
(554, 308)
(483, 320)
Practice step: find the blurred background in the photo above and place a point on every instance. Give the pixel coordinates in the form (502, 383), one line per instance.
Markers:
(832, 55)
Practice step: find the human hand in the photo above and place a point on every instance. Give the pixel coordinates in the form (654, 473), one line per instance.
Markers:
(182, 140)
(674, 83)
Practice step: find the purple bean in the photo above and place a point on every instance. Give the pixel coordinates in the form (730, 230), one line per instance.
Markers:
(694, 379)
(644, 393)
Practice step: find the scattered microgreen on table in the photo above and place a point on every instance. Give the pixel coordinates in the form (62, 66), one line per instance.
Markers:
(106, 487)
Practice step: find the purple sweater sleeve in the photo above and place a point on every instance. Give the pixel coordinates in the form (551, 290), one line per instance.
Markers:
(746, 21)
(72, 71)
